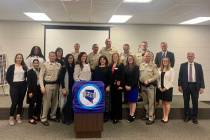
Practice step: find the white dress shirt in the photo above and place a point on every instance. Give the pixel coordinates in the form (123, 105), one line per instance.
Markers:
(193, 72)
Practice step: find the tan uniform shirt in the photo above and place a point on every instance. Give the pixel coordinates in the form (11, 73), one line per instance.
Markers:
(75, 56)
(93, 60)
(148, 72)
(124, 57)
(108, 53)
(49, 72)
(139, 57)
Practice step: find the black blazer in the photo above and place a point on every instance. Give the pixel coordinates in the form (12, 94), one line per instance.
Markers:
(132, 76)
(183, 75)
(169, 54)
(10, 73)
(102, 74)
(117, 74)
(32, 86)
(32, 81)
(70, 70)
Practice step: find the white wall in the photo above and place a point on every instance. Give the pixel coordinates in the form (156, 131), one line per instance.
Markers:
(21, 36)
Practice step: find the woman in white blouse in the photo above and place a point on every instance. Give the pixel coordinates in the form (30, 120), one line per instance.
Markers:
(16, 77)
(82, 70)
(165, 86)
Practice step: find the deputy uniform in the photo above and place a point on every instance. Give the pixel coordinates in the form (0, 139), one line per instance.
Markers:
(75, 54)
(140, 56)
(49, 80)
(108, 53)
(148, 72)
(124, 57)
(93, 60)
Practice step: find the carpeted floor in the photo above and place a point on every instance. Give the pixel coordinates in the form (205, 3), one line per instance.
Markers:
(174, 130)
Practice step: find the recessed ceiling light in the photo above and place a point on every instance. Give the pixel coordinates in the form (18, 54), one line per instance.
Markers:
(137, 1)
(119, 18)
(38, 16)
(196, 20)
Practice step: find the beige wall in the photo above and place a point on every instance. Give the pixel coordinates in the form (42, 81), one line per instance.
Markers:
(21, 36)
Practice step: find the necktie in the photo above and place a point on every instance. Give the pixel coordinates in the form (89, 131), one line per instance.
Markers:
(190, 74)
(164, 55)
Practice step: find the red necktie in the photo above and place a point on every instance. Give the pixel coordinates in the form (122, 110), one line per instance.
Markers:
(190, 74)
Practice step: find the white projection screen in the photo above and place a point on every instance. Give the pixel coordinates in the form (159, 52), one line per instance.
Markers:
(66, 36)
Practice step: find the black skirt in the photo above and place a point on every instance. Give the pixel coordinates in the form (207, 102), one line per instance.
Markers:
(166, 95)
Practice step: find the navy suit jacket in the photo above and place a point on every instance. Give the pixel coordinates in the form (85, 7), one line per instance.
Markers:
(183, 75)
(158, 58)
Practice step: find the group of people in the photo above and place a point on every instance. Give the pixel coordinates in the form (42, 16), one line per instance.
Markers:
(48, 84)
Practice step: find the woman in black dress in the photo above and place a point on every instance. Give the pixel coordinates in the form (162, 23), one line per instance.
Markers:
(34, 95)
(131, 85)
(117, 84)
(67, 81)
(102, 73)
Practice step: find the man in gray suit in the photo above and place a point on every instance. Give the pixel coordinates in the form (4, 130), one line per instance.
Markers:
(191, 83)
(164, 53)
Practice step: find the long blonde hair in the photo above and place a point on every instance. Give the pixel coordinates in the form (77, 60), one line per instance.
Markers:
(167, 67)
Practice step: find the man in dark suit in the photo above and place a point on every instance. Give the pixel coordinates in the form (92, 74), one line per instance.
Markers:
(191, 83)
(164, 53)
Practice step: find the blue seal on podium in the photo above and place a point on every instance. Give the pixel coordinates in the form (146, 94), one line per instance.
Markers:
(88, 96)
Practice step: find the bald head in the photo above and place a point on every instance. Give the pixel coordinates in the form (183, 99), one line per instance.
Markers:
(190, 56)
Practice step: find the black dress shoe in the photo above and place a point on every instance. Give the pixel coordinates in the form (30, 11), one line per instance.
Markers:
(148, 122)
(45, 123)
(187, 119)
(131, 118)
(195, 120)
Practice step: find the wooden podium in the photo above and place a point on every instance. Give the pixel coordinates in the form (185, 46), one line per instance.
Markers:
(88, 125)
(88, 105)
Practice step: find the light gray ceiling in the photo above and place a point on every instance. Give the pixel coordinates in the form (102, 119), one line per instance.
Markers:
(100, 11)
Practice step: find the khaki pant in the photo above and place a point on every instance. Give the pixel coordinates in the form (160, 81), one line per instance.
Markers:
(50, 100)
(148, 95)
